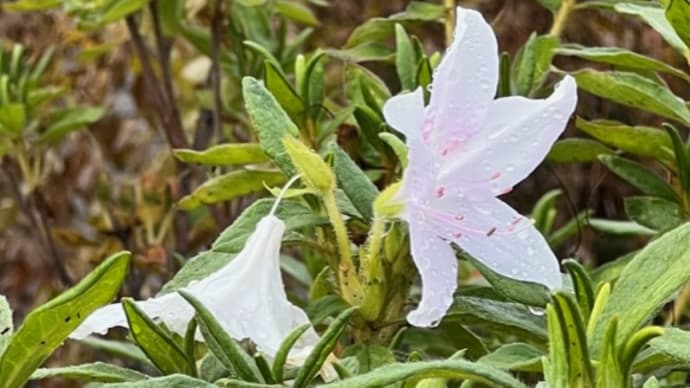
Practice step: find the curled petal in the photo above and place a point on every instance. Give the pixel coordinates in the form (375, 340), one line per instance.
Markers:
(464, 83)
(515, 138)
(505, 241)
(405, 113)
(246, 296)
(437, 266)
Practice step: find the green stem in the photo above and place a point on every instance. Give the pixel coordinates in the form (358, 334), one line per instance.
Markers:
(561, 17)
(350, 287)
(449, 5)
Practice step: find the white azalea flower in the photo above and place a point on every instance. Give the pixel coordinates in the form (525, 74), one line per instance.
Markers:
(246, 296)
(465, 148)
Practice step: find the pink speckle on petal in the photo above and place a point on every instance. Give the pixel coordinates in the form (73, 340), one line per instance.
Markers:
(491, 232)
(457, 235)
(440, 192)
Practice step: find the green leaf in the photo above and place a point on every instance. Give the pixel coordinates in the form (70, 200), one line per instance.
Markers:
(352, 180)
(656, 18)
(379, 29)
(655, 213)
(498, 316)
(673, 343)
(532, 63)
(369, 357)
(229, 154)
(551, 5)
(405, 61)
(516, 356)
(621, 57)
(397, 145)
(632, 346)
(544, 211)
(444, 340)
(576, 150)
(653, 277)
(639, 176)
(450, 369)
(531, 294)
(609, 372)
(677, 13)
(270, 121)
(322, 349)
(283, 92)
(231, 185)
(284, 350)
(31, 5)
(159, 346)
(12, 119)
(297, 12)
(117, 9)
(682, 159)
(172, 381)
(47, 327)
(556, 365)
(582, 284)
(117, 348)
(652, 382)
(229, 352)
(97, 371)
(622, 228)
(638, 140)
(6, 326)
(313, 88)
(634, 90)
(366, 52)
(69, 120)
(580, 372)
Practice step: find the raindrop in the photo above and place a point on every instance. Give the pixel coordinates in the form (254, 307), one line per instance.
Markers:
(536, 311)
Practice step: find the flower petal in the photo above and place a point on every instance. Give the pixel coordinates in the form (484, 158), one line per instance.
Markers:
(405, 113)
(505, 241)
(246, 296)
(464, 83)
(437, 266)
(515, 138)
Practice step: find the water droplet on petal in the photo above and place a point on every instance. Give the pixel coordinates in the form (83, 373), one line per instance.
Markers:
(536, 311)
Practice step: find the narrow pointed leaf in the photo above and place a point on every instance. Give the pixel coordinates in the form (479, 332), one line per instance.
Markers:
(572, 326)
(47, 327)
(450, 369)
(356, 185)
(229, 154)
(647, 282)
(159, 346)
(639, 176)
(228, 351)
(323, 348)
(583, 286)
(98, 371)
(285, 347)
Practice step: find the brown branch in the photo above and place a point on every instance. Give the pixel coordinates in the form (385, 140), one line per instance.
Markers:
(169, 116)
(40, 225)
(216, 38)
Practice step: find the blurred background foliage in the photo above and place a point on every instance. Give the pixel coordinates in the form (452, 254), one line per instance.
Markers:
(107, 90)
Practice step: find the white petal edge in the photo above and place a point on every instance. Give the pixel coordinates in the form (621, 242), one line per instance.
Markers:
(405, 113)
(515, 138)
(437, 266)
(246, 296)
(464, 83)
(503, 240)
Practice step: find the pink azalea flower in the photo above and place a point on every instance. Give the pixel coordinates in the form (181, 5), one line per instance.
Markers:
(465, 149)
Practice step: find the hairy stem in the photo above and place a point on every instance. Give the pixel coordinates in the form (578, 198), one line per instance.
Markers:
(350, 286)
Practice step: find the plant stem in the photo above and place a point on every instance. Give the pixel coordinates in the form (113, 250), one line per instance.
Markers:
(561, 17)
(449, 24)
(350, 287)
